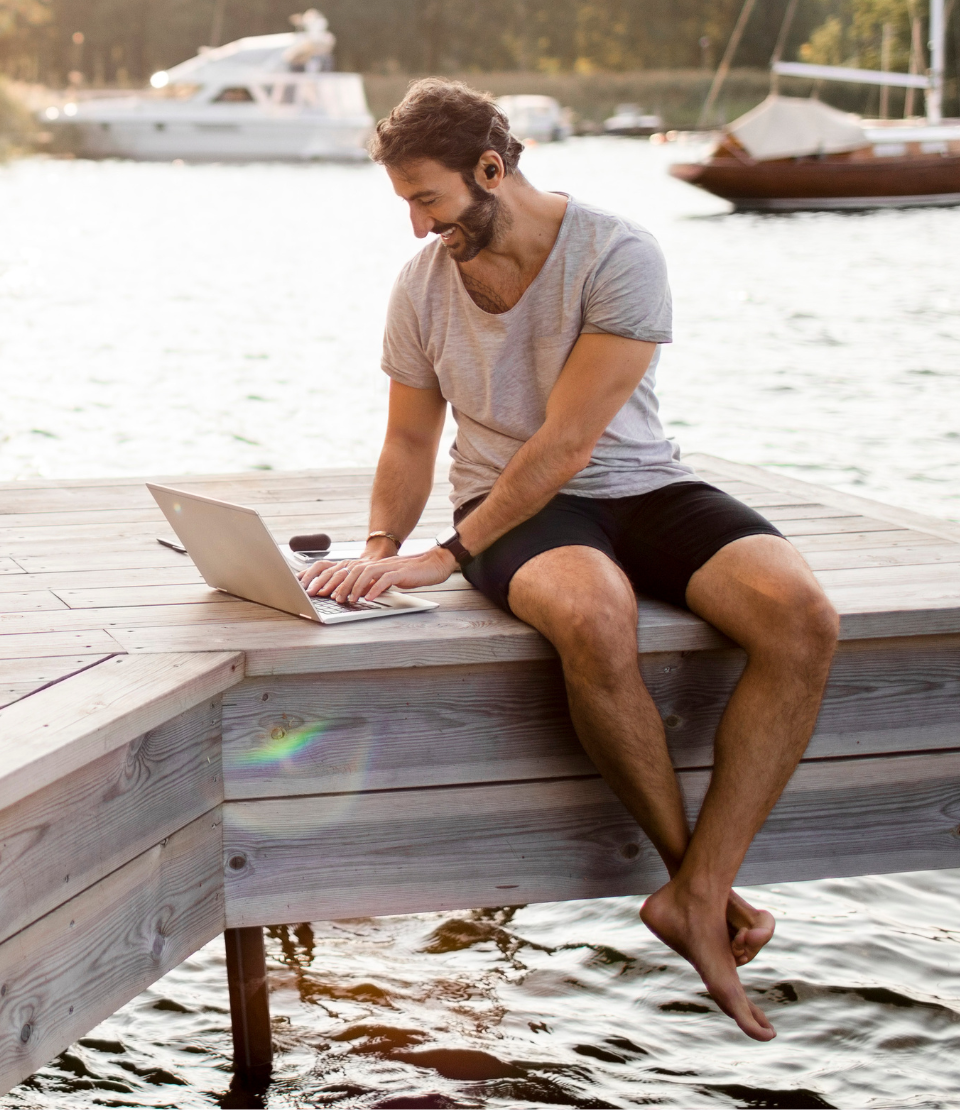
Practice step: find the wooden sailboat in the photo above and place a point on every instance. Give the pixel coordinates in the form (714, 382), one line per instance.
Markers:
(790, 154)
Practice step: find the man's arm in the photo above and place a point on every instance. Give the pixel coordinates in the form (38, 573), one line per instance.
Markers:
(404, 477)
(597, 379)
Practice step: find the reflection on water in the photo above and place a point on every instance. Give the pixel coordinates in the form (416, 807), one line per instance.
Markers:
(168, 319)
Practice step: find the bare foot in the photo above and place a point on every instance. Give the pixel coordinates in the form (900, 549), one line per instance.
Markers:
(696, 929)
(750, 929)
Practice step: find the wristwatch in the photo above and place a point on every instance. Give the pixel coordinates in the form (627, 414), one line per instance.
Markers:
(450, 539)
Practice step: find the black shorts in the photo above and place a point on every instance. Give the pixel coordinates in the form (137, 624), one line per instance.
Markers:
(659, 539)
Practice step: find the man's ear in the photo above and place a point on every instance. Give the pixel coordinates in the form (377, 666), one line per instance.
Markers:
(490, 168)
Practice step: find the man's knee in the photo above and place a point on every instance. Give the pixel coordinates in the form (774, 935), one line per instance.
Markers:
(593, 630)
(802, 626)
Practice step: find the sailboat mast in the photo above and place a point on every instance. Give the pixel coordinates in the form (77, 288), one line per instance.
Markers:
(934, 95)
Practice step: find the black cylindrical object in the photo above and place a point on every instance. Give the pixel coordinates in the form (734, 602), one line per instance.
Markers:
(319, 541)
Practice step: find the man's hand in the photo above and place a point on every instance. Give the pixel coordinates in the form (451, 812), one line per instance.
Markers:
(352, 579)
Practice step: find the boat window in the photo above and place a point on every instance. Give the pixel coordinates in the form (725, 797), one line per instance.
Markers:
(289, 94)
(236, 94)
(890, 150)
(267, 91)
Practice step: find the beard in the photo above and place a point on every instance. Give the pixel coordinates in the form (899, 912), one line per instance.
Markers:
(479, 224)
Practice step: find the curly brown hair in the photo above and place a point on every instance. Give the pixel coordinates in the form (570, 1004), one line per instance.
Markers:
(448, 122)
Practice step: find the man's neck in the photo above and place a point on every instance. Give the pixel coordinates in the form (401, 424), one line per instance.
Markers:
(500, 274)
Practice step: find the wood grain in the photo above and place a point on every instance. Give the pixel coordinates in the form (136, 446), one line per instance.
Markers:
(37, 645)
(374, 730)
(60, 840)
(304, 734)
(81, 962)
(29, 601)
(299, 859)
(93, 713)
(183, 573)
(20, 677)
(728, 470)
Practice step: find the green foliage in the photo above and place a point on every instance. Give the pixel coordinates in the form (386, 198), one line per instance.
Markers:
(124, 41)
(853, 35)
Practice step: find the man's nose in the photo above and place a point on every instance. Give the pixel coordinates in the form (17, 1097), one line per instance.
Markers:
(422, 224)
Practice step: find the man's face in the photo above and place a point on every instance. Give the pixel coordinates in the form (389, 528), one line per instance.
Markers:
(466, 216)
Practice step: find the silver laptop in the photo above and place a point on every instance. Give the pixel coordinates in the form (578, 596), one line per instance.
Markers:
(235, 552)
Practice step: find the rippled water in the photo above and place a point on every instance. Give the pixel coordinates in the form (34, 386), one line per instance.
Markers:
(160, 318)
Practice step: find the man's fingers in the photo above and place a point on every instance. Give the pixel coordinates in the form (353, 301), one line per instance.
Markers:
(327, 577)
(384, 582)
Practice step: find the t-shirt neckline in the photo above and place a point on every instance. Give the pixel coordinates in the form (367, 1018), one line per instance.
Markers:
(546, 262)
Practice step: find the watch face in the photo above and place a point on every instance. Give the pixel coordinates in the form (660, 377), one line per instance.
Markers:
(446, 536)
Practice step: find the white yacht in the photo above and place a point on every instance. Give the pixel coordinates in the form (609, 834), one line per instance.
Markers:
(264, 97)
(536, 117)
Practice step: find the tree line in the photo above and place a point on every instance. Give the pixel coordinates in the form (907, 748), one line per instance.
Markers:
(104, 42)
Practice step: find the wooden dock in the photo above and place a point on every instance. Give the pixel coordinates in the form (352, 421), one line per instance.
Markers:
(174, 762)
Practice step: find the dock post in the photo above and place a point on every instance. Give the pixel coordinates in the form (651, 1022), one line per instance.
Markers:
(249, 1003)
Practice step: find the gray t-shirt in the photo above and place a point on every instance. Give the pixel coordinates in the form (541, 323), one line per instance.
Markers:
(604, 274)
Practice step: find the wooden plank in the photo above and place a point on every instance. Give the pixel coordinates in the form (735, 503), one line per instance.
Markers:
(870, 556)
(306, 734)
(300, 647)
(255, 490)
(141, 521)
(87, 716)
(328, 857)
(934, 620)
(852, 541)
(443, 637)
(8, 566)
(453, 597)
(62, 839)
(945, 529)
(908, 574)
(222, 610)
(184, 573)
(71, 969)
(883, 697)
(876, 597)
(33, 645)
(375, 730)
(21, 677)
(30, 601)
(831, 526)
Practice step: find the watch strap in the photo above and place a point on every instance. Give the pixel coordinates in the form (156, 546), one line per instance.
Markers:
(455, 546)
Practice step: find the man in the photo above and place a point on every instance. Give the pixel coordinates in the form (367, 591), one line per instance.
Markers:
(539, 320)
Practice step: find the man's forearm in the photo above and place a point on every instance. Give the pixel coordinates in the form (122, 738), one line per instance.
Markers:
(535, 474)
(401, 487)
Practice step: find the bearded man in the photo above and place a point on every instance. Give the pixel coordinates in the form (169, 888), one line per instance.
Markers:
(539, 319)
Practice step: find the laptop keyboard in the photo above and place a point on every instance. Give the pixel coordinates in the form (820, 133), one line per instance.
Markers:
(328, 605)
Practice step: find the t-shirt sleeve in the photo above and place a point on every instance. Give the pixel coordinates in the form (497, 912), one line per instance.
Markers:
(404, 358)
(629, 294)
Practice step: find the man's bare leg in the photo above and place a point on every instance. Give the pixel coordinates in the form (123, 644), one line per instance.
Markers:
(760, 593)
(584, 604)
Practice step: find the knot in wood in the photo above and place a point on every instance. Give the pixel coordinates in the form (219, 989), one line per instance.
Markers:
(237, 862)
(630, 851)
(278, 733)
(25, 1032)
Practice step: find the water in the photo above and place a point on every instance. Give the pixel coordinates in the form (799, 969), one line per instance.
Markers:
(160, 318)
